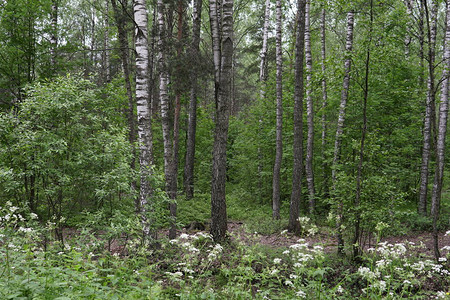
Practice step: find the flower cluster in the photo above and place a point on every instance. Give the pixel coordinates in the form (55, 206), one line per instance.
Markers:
(392, 268)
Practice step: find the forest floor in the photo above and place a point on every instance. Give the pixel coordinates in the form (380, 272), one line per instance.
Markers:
(238, 232)
(327, 240)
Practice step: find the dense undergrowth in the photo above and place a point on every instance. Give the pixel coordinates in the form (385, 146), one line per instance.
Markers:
(109, 260)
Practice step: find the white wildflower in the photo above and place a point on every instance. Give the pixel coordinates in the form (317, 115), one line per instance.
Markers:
(313, 230)
(318, 248)
(301, 294)
(25, 230)
(184, 236)
(440, 295)
(293, 276)
(178, 274)
(381, 285)
(442, 259)
(274, 272)
(285, 252)
(277, 261)
(33, 215)
(340, 289)
(289, 283)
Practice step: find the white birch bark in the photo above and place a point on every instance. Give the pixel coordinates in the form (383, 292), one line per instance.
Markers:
(192, 119)
(165, 114)
(340, 123)
(143, 114)
(429, 115)
(442, 130)
(279, 118)
(54, 34)
(309, 113)
(408, 36)
(263, 55)
(324, 99)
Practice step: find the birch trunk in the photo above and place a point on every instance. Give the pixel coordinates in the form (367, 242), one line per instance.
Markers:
(176, 129)
(421, 43)
(216, 46)
(409, 24)
(279, 128)
(223, 95)
(340, 124)
(143, 115)
(192, 119)
(442, 130)
(429, 112)
(105, 53)
(165, 116)
(297, 170)
(309, 114)
(263, 63)
(262, 80)
(120, 18)
(324, 101)
(54, 35)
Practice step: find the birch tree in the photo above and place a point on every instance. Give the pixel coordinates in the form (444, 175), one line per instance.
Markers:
(143, 114)
(297, 170)
(340, 123)
(309, 113)
(54, 32)
(170, 165)
(279, 109)
(324, 97)
(223, 58)
(442, 130)
(263, 55)
(192, 119)
(429, 110)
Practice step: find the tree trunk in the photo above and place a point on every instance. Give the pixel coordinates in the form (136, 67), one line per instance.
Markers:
(120, 17)
(105, 54)
(429, 111)
(263, 55)
(309, 114)
(279, 129)
(409, 24)
(262, 80)
(54, 34)
(143, 116)
(176, 129)
(340, 124)
(324, 102)
(223, 93)
(297, 169)
(359, 176)
(421, 44)
(442, 129)
(192, 120)
(169, 163)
